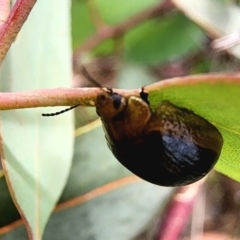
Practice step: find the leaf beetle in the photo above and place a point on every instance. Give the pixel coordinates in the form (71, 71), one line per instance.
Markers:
(167, 146)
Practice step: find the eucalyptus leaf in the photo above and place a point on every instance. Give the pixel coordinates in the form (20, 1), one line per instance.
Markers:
(36, 151)
(161, 40)
(119, 214)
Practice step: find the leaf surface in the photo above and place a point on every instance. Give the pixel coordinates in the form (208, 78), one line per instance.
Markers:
(36, 151)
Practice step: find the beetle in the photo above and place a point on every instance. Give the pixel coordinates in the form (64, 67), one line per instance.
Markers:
(167, 146)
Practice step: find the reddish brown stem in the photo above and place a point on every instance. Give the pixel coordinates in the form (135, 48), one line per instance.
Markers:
(177, 213)
(13, 24)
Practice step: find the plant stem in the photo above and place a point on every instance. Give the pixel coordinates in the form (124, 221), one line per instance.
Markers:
(53, 97)
(177, 213)
(87, 96)
(10, 28)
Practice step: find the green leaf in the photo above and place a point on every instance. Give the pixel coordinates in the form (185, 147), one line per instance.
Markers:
(37, 151)
(82, 26)
(215, 98)
(119, 214)
(114, 12)
(161, 40)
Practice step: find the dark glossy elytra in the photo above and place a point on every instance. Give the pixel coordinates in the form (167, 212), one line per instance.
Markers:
(168, 146)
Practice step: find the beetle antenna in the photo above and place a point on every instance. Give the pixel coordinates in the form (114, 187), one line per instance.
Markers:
(60, 112)
(86, 74)
(90, 79)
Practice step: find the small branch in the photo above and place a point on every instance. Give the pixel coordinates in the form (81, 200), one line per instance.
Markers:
(53, 97)
(118, 30)
(95, 15)
(87, 96)
(13, 24)
(227, 41)
(178, 211)
(4, 11)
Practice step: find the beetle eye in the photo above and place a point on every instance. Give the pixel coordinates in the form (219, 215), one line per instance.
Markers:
(117, 99)
(110, 104)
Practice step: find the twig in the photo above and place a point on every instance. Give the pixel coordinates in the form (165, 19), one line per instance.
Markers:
(227, 41)
(53, 97)
(13, 24)
(87, 96)
(178, 211)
